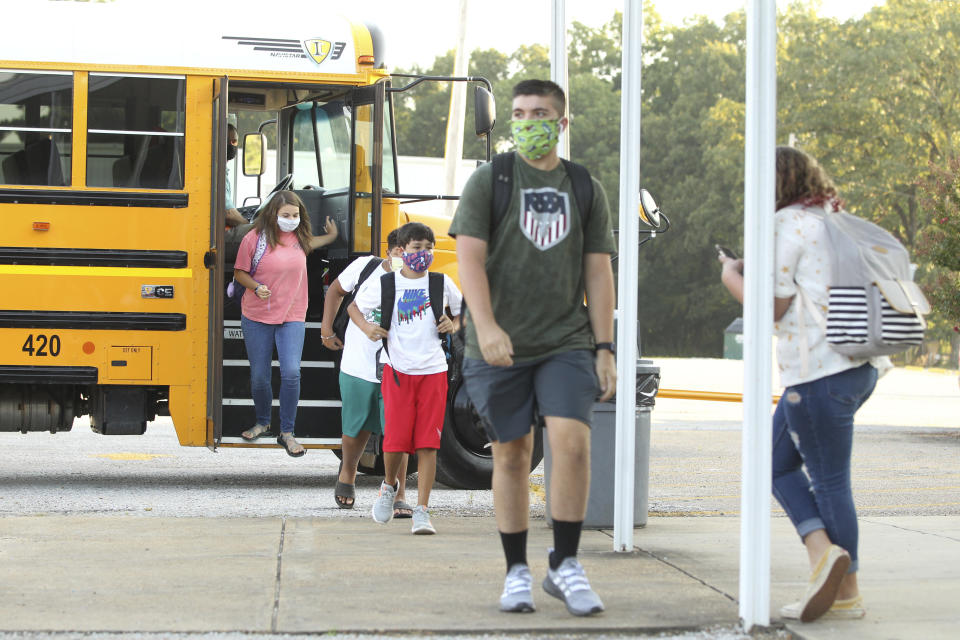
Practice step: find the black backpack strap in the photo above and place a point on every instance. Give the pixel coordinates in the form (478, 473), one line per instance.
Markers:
(502, 177)
(342, 318)
(368, 268)
(582, 188)
(388, 295)
(436, 294)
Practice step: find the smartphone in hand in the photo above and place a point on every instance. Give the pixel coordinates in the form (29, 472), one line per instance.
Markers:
(725, 251)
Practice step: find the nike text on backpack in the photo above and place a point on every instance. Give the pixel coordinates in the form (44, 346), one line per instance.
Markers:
(875, 308)
(388, 294)
(342, 319)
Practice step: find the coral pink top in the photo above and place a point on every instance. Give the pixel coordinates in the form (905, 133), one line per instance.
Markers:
(284, 270)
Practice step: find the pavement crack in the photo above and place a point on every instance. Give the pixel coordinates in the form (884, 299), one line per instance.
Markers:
(926, 533)
(276, 591)
(723, 593)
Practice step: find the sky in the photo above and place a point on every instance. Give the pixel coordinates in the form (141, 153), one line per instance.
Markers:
(506, 24)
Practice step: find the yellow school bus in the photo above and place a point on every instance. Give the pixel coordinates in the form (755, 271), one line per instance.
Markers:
(113, 180)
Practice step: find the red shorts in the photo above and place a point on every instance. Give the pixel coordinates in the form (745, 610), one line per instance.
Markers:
(414, 410)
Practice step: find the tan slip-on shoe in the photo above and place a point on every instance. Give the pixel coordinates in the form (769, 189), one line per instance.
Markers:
(824, 583)
(851, 609)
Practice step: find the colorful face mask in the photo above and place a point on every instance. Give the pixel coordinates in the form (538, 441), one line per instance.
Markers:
(535, 138)
(419, 261)
(288, 224)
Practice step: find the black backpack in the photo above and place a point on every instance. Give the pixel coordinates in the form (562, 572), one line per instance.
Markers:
(388, 295)
(342, 319)
(502, 177)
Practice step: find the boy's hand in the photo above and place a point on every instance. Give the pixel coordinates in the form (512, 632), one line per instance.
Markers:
(606, 365)
(495, 345)
(374, 331)
(446, 325)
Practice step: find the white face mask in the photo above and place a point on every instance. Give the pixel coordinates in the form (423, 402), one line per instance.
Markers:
(288, 224)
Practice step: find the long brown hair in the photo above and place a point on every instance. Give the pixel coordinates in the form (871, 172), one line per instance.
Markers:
(267, 220)
(800, 179)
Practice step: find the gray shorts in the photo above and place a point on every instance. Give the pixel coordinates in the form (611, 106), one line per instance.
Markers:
(508, 399)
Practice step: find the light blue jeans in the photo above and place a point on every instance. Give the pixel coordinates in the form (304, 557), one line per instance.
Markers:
(812, 445)
(260, 339)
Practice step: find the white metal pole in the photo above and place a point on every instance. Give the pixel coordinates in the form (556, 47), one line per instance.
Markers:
(453, 151)
(558, 63)
(761, 122)
(625, 469)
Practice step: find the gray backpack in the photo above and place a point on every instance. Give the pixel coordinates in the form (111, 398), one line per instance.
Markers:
(875, 308)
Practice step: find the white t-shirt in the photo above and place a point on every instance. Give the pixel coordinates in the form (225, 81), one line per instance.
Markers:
(413, 342)
(802, 258)
(359, 358)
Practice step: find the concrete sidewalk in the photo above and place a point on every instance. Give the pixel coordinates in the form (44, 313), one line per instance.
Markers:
(286, 575)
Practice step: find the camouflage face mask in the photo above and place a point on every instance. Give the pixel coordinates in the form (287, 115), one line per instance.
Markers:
(535, 138)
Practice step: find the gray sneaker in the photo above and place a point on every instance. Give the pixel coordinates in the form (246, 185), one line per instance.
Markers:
(516, 596)
(382, 510)
(569, 583)
(421, 521)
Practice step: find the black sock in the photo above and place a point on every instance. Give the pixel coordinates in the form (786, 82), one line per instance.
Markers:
(566, 539)
(514, 547)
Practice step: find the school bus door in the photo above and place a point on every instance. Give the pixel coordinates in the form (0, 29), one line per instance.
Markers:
(213, 261)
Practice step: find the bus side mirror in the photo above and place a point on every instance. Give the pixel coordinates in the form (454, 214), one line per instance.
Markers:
(254, 145)
(484, 111)
(649, 210)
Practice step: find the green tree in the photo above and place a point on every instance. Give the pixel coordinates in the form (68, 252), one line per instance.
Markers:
(876, 100)
(939, 245)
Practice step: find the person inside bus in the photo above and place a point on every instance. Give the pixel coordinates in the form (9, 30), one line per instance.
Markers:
(237, 225)
(274, 308)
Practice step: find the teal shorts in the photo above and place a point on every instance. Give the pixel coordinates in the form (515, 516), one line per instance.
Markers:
(362, 408)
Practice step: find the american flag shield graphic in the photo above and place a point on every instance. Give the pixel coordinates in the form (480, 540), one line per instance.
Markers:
(545, 216)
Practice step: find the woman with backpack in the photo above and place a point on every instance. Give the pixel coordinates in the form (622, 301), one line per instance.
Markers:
(813, 422)
(272, 266)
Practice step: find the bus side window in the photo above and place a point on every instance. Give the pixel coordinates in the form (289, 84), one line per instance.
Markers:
(35, 150)
(136, 131)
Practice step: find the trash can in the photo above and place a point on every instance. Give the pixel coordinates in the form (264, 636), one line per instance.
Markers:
(603, 440)
(733, 340)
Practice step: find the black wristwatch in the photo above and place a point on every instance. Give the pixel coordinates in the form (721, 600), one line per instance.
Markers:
(609, 346)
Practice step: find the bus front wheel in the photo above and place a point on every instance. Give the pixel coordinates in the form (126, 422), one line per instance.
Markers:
(464, 460)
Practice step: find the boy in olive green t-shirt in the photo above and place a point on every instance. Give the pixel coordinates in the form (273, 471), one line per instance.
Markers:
(532, 346)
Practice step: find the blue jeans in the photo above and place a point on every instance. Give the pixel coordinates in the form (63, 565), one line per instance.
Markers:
(260, 339)
(812, 444)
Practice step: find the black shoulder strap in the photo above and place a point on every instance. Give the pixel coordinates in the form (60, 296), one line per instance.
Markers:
(388, 294)
(368, 268)
(582, 188)
(502, 177)
(436, 294)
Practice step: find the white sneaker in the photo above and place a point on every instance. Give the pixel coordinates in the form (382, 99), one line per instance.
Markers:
(569, 583)
(382, 510)
(517, 596)
(421, 521)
